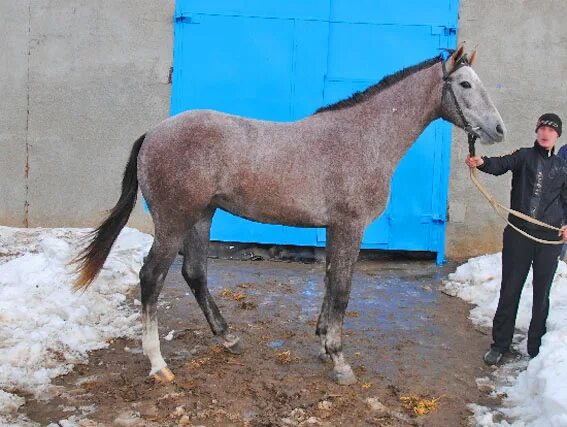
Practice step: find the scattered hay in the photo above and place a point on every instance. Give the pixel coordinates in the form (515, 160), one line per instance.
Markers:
(226, 293)
(230, 294)
(217, 348)
(284, 357)
(199, 363)
(420, 405)
(239, 296)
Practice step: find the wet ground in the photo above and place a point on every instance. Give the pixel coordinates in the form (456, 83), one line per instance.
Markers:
(404, 338)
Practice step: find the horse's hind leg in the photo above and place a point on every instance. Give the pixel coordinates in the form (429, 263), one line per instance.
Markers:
(342, 251)
(194, 271)
(152, 275)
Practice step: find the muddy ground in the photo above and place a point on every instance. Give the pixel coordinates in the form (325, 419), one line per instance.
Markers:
(403, 338)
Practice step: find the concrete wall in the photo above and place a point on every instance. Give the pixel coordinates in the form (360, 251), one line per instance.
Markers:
(81, 80)
(14, 35)
(522, 61)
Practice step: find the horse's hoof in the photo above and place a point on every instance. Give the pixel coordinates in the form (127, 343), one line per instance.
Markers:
(324, 356)
(344, 376)
(235, 347)
(164, 375)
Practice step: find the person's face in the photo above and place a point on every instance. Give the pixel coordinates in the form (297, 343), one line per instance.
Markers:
(547, 137)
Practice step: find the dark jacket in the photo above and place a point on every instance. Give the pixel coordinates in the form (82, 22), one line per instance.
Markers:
(539, 187)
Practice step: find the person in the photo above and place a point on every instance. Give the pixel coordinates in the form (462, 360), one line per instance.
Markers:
(539, 189)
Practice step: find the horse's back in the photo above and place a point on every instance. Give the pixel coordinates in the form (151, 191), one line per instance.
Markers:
(253, 168)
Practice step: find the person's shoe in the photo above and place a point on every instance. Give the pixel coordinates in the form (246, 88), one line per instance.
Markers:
(492, 357)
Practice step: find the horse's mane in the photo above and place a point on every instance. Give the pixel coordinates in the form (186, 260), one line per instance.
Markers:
(385, 83)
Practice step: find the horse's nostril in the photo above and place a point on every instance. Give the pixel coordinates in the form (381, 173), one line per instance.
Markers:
(499, 129)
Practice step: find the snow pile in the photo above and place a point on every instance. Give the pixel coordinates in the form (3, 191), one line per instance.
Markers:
(536, 395)
(45, 328)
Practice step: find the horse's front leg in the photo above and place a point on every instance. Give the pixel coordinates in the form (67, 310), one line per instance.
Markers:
(323, 320)
(343, 246)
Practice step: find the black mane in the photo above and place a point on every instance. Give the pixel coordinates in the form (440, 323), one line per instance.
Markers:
(386, 82)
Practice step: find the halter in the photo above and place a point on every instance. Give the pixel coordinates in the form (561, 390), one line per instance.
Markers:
(472, 135)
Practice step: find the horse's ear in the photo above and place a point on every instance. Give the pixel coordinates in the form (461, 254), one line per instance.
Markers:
(472, 58)
(459, 52)
(454, 58)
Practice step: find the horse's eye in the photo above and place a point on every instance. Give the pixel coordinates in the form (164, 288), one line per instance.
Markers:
(466, 85)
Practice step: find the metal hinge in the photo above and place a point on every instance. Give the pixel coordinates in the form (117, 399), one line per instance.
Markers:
(184, 19)
(445, 31)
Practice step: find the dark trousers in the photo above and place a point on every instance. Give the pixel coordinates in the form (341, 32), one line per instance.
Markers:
(518, 254)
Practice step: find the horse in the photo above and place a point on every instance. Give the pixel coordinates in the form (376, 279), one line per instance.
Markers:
(332, 169)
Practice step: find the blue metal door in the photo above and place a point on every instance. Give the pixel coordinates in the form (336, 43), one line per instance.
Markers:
(283, 60)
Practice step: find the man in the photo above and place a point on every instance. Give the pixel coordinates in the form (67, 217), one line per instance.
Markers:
(539, 189)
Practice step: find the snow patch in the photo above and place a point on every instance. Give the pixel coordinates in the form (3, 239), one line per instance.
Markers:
(535, 390)
(45, 327)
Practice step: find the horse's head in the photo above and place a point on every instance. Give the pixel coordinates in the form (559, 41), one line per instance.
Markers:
(465, 101)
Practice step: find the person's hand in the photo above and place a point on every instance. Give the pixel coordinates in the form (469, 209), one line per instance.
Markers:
(563, 233)
(473, 162)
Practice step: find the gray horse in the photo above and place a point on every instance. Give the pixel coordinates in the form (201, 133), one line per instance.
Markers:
(332, 169)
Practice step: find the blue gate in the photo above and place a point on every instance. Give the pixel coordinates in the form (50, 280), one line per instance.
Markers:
(281, 61)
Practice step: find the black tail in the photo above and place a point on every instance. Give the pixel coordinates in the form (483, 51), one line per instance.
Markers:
(92, 258)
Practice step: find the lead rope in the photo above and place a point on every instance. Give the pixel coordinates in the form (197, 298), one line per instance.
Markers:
(502, 210)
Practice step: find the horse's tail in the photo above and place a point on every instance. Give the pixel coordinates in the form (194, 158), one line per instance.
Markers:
(93, 256)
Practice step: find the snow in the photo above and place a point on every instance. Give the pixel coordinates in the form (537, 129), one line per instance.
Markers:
(534, 390)
(169, 336)
(45, 327)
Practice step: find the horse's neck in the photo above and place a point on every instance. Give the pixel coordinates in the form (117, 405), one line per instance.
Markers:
(391, 120)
